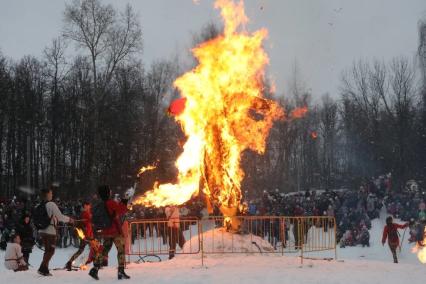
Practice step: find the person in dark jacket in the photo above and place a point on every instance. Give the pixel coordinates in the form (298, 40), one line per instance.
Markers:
(25, 231)
(111, 235)
(390, 232)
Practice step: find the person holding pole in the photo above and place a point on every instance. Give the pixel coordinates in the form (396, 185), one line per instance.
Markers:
(390, 232)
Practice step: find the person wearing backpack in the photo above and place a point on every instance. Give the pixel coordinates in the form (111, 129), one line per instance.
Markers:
(390, 232)
(107, 220)
(46, 217)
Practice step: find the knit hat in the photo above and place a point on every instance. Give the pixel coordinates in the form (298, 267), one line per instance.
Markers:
(12, 235)
(104, 192)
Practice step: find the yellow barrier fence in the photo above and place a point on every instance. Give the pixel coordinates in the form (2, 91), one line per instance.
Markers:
(310, 237)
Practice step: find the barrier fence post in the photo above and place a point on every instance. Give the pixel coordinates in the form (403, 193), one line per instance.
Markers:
(335, 239)
(201, 240)
(300, 238)
(282, 233)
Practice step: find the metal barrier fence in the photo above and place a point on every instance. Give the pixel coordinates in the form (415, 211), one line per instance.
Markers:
(256, 234)
(150, 237)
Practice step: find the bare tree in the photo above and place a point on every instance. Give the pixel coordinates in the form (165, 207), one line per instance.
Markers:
(328, 130)
(110, 38)
(400, 108)
(55, 71)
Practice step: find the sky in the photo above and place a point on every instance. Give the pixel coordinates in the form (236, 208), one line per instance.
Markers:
(320, 37)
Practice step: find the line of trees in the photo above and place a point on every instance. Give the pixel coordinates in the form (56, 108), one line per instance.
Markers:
(99, 115)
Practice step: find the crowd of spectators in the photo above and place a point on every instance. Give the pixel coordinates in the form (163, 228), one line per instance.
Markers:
(353, 210)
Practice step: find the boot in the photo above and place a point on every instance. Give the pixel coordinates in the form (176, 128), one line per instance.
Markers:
(68, 266)
(94, 273)
(105, 262)
(122, 275)
(44, 271)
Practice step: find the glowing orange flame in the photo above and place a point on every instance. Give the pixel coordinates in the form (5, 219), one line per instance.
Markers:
(299, 112)
(420, 249)
(145, 169)
(224, 114)
(273, 88)
(80, 233)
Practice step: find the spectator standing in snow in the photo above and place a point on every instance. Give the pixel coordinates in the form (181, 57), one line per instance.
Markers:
(48, 234)
(174, 232)
(25, 231)
(390, 232)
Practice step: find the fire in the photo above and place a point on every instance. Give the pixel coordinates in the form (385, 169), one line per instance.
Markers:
(145, 169)
(80, 233)
(224, 114)
(420, 249)
(273, 88)
(299, 112)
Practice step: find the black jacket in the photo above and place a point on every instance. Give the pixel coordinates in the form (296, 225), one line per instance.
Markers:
(25, 231)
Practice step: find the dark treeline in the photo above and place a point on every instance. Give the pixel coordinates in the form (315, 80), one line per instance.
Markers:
(99, 115)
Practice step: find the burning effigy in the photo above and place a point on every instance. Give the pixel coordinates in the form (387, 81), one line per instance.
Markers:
(222, 112)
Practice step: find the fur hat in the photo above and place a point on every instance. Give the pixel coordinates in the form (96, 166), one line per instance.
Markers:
(104, 192)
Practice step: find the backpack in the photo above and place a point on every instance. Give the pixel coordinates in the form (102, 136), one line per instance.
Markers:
(100, 217)
(40, 217)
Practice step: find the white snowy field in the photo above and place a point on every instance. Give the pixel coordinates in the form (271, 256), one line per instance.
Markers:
(355, 265)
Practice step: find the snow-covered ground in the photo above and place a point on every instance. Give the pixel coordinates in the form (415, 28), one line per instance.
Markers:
(355, 265)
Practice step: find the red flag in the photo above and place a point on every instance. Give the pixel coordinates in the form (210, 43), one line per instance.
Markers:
(177, 106)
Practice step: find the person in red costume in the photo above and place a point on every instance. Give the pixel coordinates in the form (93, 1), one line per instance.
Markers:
(390, 232)
(86, 219)
(112, 234)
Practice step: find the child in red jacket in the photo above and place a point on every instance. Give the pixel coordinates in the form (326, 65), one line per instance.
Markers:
(391, 233)
(86, 219)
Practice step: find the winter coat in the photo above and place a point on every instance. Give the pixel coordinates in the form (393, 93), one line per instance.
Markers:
(173, 217)
(391, 233)
(56, 216)
(364, 237)
(27, 238)
(87, 222)
(422, 215)
(116, 210)
(370, 204)
(330, 212)
(13, 256)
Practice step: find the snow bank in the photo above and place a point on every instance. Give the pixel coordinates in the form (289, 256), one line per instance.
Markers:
(218, 240)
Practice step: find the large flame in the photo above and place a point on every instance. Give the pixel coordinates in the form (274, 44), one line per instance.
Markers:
(225, 114)
(420, 248)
